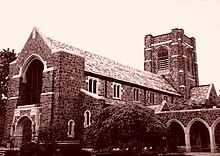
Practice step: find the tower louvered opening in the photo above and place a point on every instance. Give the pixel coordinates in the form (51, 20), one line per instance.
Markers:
(163, 60)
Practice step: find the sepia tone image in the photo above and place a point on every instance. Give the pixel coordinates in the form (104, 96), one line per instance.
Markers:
(58, 99)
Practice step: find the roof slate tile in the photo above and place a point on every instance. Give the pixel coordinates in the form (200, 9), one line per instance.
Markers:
(105, 67)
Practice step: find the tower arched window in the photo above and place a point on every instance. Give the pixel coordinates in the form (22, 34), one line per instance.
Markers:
(71, 131)
(163, 59)
(34, 81)
(87, 118)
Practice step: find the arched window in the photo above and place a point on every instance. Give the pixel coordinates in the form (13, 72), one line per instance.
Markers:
(92, 86)
(87, 118)
(71, 131)
(163, 59)
(34, 81)
(117, 90)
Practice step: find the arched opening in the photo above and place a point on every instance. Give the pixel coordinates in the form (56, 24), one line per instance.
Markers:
(177, 134)
(199, 137)
(31, 88)
(34, 81)
(87, 118)
(217, 136)
(23, 133)
(71, 129)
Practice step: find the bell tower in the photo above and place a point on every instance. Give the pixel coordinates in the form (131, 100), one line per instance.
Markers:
(173, 55)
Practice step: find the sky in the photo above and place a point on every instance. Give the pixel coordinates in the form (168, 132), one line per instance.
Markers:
(116, 28)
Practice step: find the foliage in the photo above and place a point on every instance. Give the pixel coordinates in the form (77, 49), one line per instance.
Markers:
(51, 135)
(29, 149)
(6, 57)
(129, 126)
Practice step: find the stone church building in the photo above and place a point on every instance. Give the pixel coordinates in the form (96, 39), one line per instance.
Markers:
(54, 84)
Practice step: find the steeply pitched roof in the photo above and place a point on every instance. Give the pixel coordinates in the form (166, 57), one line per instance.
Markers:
(105, 67)
(199, 95)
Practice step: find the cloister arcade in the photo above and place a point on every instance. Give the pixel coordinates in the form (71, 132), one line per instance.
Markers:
(196, 135)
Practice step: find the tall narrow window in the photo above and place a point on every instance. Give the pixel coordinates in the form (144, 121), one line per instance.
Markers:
(92, 86)
(152, 98)
(163, 60)
(34, 81)
(117, 90)
(71, 131)
(136, 94)
(189, 62)
(87, 118)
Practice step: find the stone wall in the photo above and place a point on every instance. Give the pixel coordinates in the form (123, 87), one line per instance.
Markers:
(67, 103)
(35, 48)
(105, 89)
(94, 106)
(181, 51)
(185, 116)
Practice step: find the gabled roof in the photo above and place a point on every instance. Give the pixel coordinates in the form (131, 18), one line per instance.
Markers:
(158, 108)
(105, 67)
(199, 95)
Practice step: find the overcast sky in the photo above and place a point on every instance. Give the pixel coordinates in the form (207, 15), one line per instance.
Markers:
(116, 28)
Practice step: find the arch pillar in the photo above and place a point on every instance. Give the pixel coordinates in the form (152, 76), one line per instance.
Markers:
(212, 140)
(187, 139)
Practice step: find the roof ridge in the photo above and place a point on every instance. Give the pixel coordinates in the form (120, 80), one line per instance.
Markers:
(69, 46)
(125, 65)
(36, 29)
(206, 85)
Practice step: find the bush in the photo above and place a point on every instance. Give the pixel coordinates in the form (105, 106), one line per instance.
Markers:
(29, 149)
(129, 126)
(12, 153)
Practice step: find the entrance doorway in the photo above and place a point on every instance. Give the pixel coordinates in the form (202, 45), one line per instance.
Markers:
(23, 132)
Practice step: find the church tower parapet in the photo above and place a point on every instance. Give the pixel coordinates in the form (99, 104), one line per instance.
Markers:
(173, 55)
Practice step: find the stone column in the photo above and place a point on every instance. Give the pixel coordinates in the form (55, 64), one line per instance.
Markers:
(187, 139)
(212, 140)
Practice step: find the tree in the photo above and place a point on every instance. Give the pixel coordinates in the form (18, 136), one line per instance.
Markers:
(6, 57)
(129, 126)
